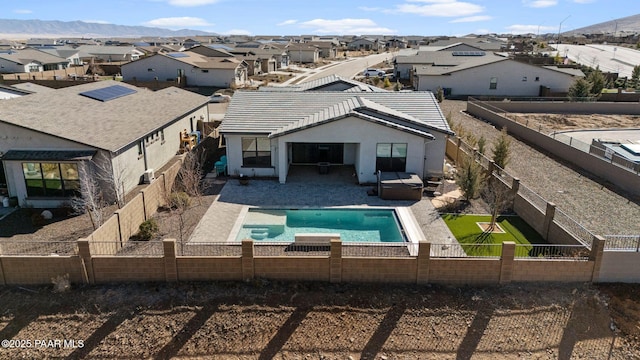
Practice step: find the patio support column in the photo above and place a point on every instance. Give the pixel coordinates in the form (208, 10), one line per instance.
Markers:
(282, 161)
(507, 261)
(2, 280)
(248, 270)
(424, 257)
(335, 261)
(597, 251)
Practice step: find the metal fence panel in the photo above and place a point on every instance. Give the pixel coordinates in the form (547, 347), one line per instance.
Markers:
(39, 248)
(552, 251)
(130, 248)
(574, 228)
(457, 250)
(210, 249)
(622, 242)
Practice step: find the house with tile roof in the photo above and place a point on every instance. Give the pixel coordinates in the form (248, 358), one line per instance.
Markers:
(49, 140)
(268, 132)
(191, 67)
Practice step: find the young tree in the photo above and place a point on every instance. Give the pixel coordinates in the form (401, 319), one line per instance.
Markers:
(597, 81)
(469, 177)
(580, 90)
(501, 148)
(498, 198)
(635, 75)
(440, 94)
(482, 142)
(90, 200)
(190, 175)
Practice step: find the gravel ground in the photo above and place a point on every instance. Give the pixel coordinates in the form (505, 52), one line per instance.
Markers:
(595, 206)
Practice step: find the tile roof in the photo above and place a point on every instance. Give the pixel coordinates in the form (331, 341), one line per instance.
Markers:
(331, 82)
(276, 113)
(205, 62)
(109, 125)
(48, 155)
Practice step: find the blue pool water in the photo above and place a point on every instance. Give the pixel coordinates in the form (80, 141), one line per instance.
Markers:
(353, 225)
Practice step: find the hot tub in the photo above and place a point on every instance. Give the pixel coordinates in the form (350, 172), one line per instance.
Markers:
(399, 186)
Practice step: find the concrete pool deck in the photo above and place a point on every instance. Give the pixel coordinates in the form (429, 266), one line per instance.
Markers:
(218, 222)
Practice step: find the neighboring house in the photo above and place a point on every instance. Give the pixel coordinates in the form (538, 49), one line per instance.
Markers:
(327, 83)
(66, 52)
(273, 59)
(491, 75)
(328, 50)
(106, 53)
(30, 60)
(267, 132)
(364, 44)
(194, 68)
(52, 141)
(303, 53)
(408, 59)
(396, 43)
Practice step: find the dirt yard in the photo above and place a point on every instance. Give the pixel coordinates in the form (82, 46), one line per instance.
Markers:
(265, 320)
(577, 122)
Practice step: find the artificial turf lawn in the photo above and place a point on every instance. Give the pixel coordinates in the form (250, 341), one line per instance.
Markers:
(466, 231)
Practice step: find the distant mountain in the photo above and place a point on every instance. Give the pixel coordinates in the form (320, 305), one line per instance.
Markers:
(45, 28)
(629, 24)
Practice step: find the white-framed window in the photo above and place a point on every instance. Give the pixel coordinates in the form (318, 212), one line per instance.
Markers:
(391, 157)
(256, 152)
(51, 179)
(493, 83)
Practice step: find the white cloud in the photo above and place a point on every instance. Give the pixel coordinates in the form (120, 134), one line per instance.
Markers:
(440, 8)
(346, 26)
(287, 22)
(96, 21)
(22, 11)
(540, 3)
(472, 19)
(368, 8)
(530, 29)
(178, 22)
(237, 32)
(190, 3)
(583, 1)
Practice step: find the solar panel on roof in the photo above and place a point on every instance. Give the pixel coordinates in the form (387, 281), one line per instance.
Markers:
(108, 93)
(178, 55)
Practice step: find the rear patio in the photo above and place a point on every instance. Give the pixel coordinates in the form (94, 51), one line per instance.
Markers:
(306, 187)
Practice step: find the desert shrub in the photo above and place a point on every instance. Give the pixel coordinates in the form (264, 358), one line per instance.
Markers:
(148, 230)
(61, 283)
(179, 200)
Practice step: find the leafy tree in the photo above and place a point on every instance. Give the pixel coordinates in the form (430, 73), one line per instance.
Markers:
(501, 149)
(469, 177)
(580, 90)
(557, 59)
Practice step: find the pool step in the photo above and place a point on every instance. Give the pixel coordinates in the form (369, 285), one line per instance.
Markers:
(259, 233)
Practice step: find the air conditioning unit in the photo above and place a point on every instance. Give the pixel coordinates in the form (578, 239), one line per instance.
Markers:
(149, 176)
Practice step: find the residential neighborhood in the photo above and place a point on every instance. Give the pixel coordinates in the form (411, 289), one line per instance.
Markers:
(325, 195)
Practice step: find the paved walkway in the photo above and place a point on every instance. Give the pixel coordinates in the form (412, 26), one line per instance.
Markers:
(306, 189)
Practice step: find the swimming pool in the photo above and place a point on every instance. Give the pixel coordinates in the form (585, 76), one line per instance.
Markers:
(353, 225)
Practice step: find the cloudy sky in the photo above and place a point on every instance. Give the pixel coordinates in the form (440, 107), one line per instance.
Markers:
(352, 17)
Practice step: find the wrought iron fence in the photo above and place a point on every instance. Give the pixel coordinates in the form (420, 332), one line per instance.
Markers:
(536, 200)
(457, 250)
(38, 248)
(210, 249)
(552, 251)
(574, 228)
(275, 249)
(401, 249)
(129, 248)
(622, 242)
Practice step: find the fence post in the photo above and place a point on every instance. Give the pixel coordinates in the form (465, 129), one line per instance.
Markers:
(515, 186)
(491, 168)
(507, 260)
(597, 251)
(549, 214)
(424, 258)
(2, 279)
(335, 261)
(85, 259)
(459, 145)
(248, 269)
(170, 265)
